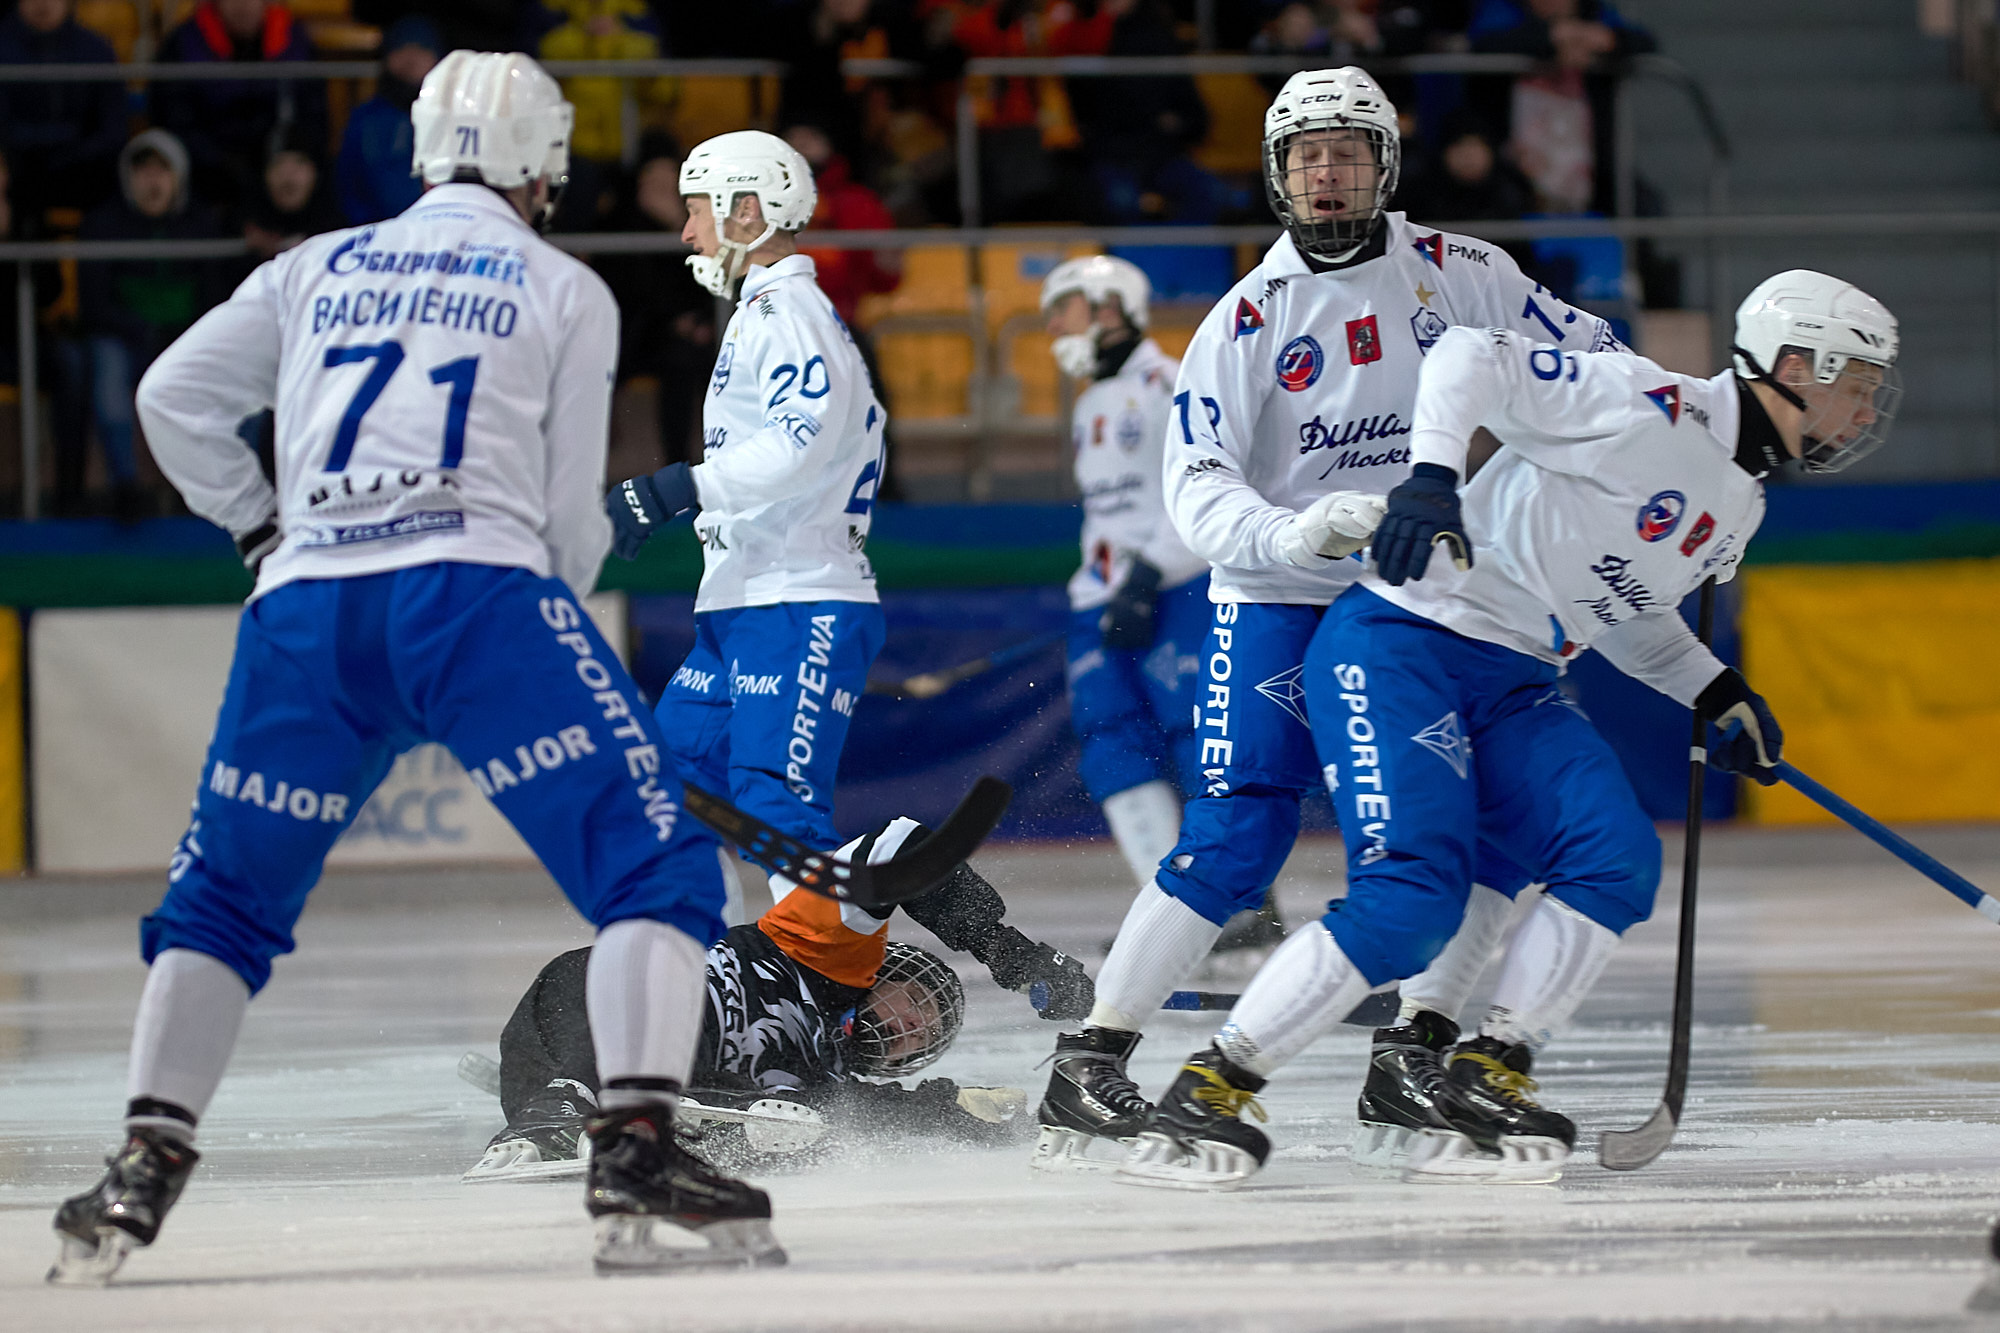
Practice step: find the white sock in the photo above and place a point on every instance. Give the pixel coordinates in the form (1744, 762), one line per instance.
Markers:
(189, 1015)
(1446, 985)
(1557, 956)
(1160, 943)
(734, 910)
(1146, 821)
(1302, 992)
(643, 992)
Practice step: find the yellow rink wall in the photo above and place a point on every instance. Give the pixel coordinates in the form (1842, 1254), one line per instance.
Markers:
(13, 749)
(1886, 679)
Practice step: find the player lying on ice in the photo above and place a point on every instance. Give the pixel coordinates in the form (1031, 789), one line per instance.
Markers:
(1435, 706)
(804, 1007)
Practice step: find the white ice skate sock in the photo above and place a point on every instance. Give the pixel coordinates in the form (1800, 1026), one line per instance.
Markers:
(1446, 985)
(1146, 821)
(734, 910)
(189, 1015)
(1303, 991)
(1159, 944)
(643, 991)
(1556, 957)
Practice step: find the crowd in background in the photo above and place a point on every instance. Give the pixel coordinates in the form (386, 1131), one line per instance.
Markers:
(273, 162)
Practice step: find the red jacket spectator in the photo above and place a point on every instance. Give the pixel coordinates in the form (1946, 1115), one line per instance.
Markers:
(844, 205)
(229, 126)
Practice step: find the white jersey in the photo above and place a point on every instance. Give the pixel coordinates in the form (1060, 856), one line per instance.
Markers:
(1301, 383)
(442, 383)
(1118, 431)
(792, 451)
(1614, 494)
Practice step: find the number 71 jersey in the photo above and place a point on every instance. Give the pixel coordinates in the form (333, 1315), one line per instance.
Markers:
(442, 384)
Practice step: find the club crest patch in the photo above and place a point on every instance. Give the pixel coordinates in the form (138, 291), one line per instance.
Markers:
(1427, 326)
(1300, 364)
(1659, 516)
(1364, 341)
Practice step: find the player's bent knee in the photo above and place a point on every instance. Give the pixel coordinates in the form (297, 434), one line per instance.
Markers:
(1619, 893)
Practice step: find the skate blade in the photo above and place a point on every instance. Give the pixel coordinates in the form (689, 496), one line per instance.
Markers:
(1382, 1147)
(1158, 1162)
(520, 1160)
(630, 1244)
(1444, 1156)
(1068, 1150)
(82, 1264)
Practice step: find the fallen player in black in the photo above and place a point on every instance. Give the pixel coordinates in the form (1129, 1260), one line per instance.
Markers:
(804, 1008)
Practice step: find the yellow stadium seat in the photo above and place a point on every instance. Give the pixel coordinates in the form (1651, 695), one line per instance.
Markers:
(710, 106)
(935, 282)
(337, 39)
(1236, 106)
(321, 9)
(925, 374)
(1173, 337)
(1011, 276)
(1028, 360)
(116, 21)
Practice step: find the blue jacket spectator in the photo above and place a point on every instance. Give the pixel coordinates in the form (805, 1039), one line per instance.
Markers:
(61, 138)
(230, 126)
(373, 173)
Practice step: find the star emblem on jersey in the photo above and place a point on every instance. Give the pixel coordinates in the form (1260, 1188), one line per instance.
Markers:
(1249, 318)
(1364, 341)
(1286, 691)
(1668, 400)
(1659, 516)
(1300, 364)
(1444, 739)
(1424, 294)
(1430, 247)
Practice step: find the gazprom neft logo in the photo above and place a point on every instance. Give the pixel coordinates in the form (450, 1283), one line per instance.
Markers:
(497, 263)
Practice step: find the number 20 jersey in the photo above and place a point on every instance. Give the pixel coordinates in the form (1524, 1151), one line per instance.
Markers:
(442, 383)
(791, 451)
(1299, 383)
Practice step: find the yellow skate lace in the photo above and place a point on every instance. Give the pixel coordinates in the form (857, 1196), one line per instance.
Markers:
(1224, 1097)
(1509, 1083)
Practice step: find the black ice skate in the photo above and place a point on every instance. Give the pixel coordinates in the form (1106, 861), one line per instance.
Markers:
(1494, 1129)
(1399, 1100)
(125, 1209)
(546, 1139)
(1196, 1138)
(641, 1175)
(1258, 928)
(1091, 1102)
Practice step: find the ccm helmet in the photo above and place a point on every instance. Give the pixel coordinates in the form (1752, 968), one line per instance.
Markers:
(1331, 227)
(1850, 341)
(910, 1016)
(729, 166)
(498, 119)
(1099, 278)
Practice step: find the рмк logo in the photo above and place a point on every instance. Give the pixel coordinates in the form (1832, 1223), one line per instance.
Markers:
(1659, 516)
(1300, 363)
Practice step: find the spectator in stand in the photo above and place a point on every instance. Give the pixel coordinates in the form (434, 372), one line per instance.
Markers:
(667, 320)
(62, 138)
(601, 30)
(230, 126)
(1470, 179)
(1560, 122)
(472, 25)
(131, 310)
(15, 226)
(374, 175)
(1138, 132)
(845, 205)
(1023, 122)
(295, 202)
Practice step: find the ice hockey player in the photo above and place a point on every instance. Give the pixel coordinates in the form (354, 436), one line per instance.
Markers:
(786, 618)
(801, 1005)
(1432, 688)
(1139, 602)
(419, 566)
(1290, 422)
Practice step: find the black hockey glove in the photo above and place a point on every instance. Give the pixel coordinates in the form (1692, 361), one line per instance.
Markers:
(257, 543)
(1423, 512)
(1127, 622)
(1751, 739)
(1018, 962)
(642, 506)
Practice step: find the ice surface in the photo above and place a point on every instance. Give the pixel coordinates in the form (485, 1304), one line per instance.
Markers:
(1837, 1162)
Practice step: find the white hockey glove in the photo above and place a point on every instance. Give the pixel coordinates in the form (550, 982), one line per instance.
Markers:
(996, 1106)
(1331, 528)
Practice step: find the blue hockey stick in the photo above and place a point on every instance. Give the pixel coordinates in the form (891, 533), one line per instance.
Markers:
(1902, 848)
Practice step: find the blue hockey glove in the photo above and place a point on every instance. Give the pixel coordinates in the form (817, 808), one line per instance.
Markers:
(642, 506)
(1423, 512)
(1127, 622)
(1751, 740)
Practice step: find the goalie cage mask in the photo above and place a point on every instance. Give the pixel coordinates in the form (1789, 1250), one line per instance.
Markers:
(910, 1017)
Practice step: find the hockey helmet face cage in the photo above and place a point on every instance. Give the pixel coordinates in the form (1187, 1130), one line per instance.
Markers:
(1847, 338)
(1332, 155)
(911, 1014)
(491, 118)
(723, 170)
(1098, 278)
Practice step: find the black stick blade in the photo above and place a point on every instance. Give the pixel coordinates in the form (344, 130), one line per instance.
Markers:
(1630, 1149)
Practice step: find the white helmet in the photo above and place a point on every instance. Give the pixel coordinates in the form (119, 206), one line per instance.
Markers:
(1835, 325)
(729, 166)
(498, 118)
(1098, 277)
(1331, 99)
